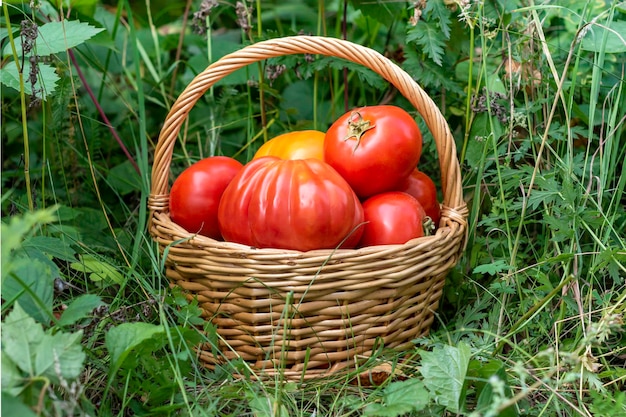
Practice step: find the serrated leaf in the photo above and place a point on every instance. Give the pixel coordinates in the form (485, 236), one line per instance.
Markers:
(121, 340)
(58, 36)
(13, 232)
(20, 335)
(11, 375)
(429, 37)
(98, 270)
(439, 11)
(31, 283)
(60, 355)
(53, 246)
(46, 78)
(444, 371)
(492, 268)
(37, 353)
(400, 398)
(79, 308)
(12, 406)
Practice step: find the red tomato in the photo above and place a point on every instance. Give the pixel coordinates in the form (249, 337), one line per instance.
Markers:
(422, 187)
(373, 148)
(196, 193)
(294, 145)
(300, 204)
(392, 217)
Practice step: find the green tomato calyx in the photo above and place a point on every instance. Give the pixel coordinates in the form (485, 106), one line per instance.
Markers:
(357, 126)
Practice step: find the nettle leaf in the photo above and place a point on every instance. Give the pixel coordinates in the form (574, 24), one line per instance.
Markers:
(59, 36)
(400, 398)
(444, 371)
(60, 355)
(20, 336)
(47, 78)
(38, 353)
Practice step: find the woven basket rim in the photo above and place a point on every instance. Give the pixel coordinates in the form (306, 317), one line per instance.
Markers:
(454, 210)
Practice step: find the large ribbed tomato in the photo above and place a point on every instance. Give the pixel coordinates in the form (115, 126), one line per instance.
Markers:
(373, 148)
(422, 187)
(300, 204)
(196, 192)
(301, 144)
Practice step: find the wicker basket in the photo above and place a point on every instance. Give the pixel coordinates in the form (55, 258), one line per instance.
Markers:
(306, 315)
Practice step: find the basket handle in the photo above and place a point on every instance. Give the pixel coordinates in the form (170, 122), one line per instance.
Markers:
(449, 165)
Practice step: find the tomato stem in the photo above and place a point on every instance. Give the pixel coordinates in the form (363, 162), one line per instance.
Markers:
(429, 226)
(357, 126)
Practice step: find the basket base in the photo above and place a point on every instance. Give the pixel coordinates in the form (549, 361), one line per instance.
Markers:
(369, 369)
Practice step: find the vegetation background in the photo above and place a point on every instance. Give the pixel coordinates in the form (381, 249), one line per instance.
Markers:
(532, 319)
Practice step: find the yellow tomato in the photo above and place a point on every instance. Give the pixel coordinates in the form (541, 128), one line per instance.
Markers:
(301, 144)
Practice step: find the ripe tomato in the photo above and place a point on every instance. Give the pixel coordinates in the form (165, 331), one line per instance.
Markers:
(392, 217)
(422, 187)
(294, 145)
(299, 204)
(196, 193)
(373, 148)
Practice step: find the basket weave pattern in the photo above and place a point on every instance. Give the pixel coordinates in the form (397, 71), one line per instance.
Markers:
(309, 314)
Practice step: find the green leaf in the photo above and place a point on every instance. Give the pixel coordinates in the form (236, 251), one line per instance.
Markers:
(12, 378)
(53, 246)
(121, 340)
(37, 353)
(124, 179)
(492, 268)
(60, 355)
(20, 335)
(438, 11)
(400, 398)
(79, 308)
(429, 37)
(58, 36)
(265, 407)
(12, 406)
(365, 75)
(383, 11)
(490, 382)
(46, 78)
(615, 38)
(13, 232)
(31, 282)
(98, 270)
(444, 371)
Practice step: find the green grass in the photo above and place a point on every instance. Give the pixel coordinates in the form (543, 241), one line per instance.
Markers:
(533, 314)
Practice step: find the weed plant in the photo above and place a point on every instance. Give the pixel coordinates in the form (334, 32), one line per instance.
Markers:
(531, 322)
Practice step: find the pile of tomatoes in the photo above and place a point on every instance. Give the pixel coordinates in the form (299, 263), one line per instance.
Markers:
(355, 185)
